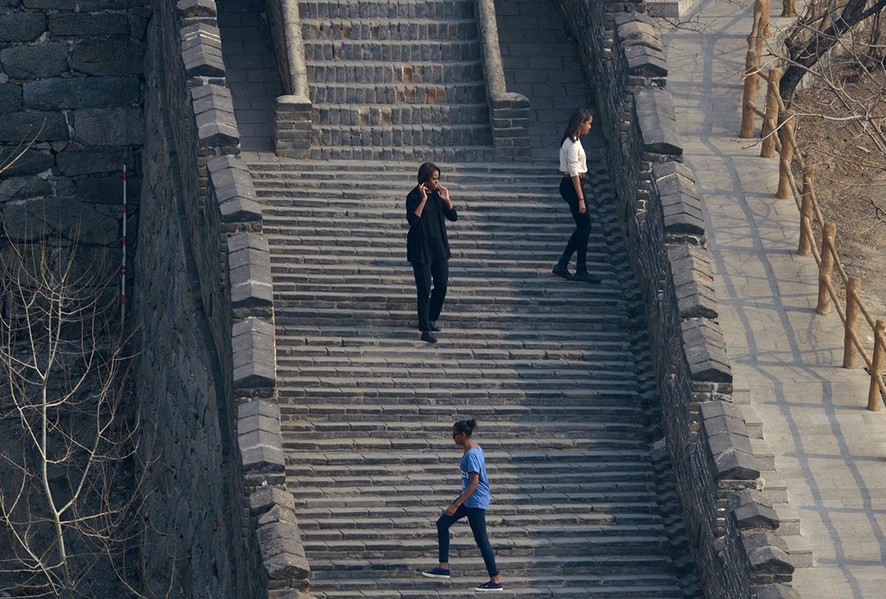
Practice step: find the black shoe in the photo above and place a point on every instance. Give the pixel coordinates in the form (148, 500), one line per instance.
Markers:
(435, 327)
(428, 336)
(586, 277)
(562, 271)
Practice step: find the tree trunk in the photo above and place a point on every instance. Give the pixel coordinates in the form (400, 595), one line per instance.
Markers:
(805, 56)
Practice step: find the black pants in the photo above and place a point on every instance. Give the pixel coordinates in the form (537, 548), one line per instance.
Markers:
(477, 520)
(430, 303)
(578, 243)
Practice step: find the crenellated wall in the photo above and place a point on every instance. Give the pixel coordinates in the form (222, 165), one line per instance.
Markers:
(729, 523)
(207, 365)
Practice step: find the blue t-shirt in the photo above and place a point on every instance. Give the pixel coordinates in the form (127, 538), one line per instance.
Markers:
(473, 460)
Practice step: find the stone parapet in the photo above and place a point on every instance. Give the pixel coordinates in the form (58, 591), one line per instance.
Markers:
(229, 259)
(622, 53)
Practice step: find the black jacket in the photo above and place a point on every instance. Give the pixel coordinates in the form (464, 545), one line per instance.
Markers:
(418, 242)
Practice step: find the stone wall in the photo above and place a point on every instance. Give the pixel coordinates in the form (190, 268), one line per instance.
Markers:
(207, 367)
(728, 521)
(70, 118)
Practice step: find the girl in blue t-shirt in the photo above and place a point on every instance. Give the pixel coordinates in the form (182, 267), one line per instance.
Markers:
(472, 502)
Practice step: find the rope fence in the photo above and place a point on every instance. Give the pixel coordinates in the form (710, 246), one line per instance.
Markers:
(778, 136)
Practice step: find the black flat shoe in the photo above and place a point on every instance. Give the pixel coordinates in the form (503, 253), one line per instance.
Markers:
(434, 327)
(428, 336)
(585, 277)
(561, 271)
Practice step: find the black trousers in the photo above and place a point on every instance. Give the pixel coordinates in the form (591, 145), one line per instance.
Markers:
(578, 242)
(430, 302)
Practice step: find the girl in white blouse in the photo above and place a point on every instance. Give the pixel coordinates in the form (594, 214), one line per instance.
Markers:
(574, 167)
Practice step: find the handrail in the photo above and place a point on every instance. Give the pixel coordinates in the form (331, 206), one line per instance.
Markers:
(297, 84)
(777, 119)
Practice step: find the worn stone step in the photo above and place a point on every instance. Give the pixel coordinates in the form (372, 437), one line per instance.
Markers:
(467, 92)
(402, 29)
(401, 443)
(402, 135)
(298, 338)
(392, 51)
(399, 170)
(322, 9)
(463, 546)
(431, 72)
(416, 153)
(381, 457)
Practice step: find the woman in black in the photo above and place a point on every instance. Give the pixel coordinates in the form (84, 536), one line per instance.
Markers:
(427, 247)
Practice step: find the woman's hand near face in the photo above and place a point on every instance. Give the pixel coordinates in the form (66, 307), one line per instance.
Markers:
(444, 195)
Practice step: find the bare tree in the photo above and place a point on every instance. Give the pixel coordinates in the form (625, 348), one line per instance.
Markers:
(815, 34)
(66, 494)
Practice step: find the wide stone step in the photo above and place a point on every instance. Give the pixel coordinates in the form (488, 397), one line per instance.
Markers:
(402, 135)
(376, 193)
(391, 51)
(397, 442)
(467, 92)
(415, 153)
(360, 170)
(403, 29)
(341, 9)
(380, 457)
(395, 522)
(349, 71)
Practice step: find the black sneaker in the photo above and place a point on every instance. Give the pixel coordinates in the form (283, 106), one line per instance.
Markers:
(437, 572)
(562, 271)
(428, 336)
(490, 586)
(586, 277)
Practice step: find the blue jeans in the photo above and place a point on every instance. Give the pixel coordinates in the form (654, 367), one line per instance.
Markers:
(477, 520)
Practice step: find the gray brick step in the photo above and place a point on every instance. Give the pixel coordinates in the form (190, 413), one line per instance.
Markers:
(301, 470)
(401, 171)
(380, 457)
(522, 524)
(397, 442)
(433, 134)
(312, 397)
(296, 339)
(467, 92)
(463, 546)
(321, 9)
(445, 415)
(412, 72)
(391, 51)
(402, 29)
(472, 567)
(414, 153)
(467, 114)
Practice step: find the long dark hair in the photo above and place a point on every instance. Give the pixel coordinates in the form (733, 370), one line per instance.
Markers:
(465, 426)
(426, 170)
(576, 119)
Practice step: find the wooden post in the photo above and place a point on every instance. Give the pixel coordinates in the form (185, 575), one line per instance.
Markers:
(788, 8)
(786, 156)
(751, 74)
(806, 213)
(767, 10)
(853, 288)
(876, 366)
(767, 149)
(826, 268)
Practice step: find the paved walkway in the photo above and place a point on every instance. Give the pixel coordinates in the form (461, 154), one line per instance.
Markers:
(827, 446)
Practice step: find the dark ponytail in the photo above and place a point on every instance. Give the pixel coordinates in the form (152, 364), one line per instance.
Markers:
(465, 426)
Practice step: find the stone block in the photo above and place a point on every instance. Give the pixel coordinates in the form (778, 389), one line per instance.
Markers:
(33, 125)
(190, 9)
(705, 350)
(776, 591)
(657, 121)
(771, 561)
(23, 188)
(643, 60)
(639, 33)
(234, 190)
(109, 127)
(265, 498)
(282, 550)
(35, 62)
(734, 464)
(86, 162)
(22, 26)
(108, 190)
(88, 24)
(266, 459)
(254, 359)
(90, 92)
(756, 538)
(31, 162)
(679, 198)
(751, 509)
(10, 98)
(108, 57)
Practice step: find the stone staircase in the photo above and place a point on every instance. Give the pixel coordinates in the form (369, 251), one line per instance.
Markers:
(398, 80)
(557, 373)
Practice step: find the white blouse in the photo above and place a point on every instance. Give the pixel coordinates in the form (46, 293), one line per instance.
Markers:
(572, 158)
